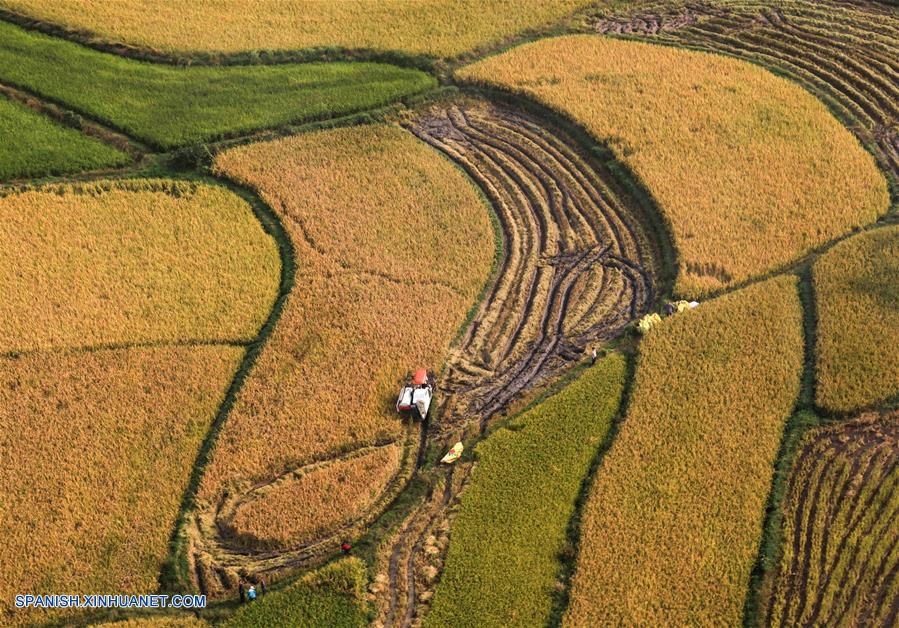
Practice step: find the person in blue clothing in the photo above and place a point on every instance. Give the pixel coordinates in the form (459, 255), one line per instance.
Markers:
(251, 593)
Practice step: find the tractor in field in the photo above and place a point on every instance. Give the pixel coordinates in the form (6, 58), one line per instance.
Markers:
(415, 395)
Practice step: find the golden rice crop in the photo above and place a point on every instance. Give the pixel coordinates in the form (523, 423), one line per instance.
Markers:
(97, 449)
(672, 525)
(750, 170)
(857, 291)
(341, 489)
(433, 27)
(109, 263)
(393, 245)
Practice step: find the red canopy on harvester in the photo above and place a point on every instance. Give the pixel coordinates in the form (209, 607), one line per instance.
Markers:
(420, 377)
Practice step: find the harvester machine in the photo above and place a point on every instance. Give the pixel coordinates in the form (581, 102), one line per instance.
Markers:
(415, 395)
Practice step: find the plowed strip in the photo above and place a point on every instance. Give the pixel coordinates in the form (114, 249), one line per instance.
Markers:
(859, 462)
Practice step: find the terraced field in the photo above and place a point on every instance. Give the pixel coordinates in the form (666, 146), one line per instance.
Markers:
(198, 362)
(168, 105)
(671, 529)
(841, 550)
(145, 262)
(97, 449)
(319, 395)
(847, 52)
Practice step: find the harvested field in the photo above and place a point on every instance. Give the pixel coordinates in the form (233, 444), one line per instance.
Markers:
(390, 240)
(503, 559)
(857, 290)
(844, 51)
(35, 146)
(431, 27)
(122, 263)
(343, 488)
(671, 529)
(169, 105)
(578, 266)
(97, 449)
(841, 528)
(750, 170)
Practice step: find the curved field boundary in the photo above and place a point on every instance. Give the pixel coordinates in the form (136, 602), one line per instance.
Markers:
(176, 573)
(846, 53)
(578, 267)
(841, 558)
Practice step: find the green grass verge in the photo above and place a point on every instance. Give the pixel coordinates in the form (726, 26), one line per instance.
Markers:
(330, 596)
(504, 556)
(35, 146)
(170, 105)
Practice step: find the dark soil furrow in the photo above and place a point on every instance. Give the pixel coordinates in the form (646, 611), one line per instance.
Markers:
(853, 545)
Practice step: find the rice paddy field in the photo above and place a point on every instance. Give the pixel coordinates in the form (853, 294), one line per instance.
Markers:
(230, 232)
(857, 292)
(170, 105)
(149, 261)
(745, 165)
(34, 146)
(427, 27)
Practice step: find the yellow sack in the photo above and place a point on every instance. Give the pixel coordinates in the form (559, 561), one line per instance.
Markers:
(453, 454)
(648, 322)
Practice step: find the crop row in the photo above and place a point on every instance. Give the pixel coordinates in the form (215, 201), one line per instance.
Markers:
(750, 170)
(115, 263)
(97, 449)
(857, 292)
(171, 105)
(35, 146)
(393, 245)
(671, 528)
(841, 528)
(503, 559)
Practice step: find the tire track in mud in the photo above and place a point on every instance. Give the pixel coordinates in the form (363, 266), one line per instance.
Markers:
(843, 506)
(847, 52)
(578, 267)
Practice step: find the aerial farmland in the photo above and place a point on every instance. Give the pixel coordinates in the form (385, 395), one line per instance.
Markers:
(404, 313)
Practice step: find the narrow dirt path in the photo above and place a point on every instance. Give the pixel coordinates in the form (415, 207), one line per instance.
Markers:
(578, 267)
